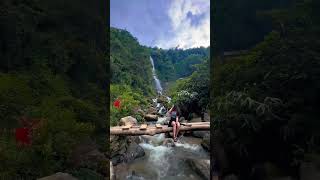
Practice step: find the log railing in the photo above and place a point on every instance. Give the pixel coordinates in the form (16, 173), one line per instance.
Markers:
(157, 129)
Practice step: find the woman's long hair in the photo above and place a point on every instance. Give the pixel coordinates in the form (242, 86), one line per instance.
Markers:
(176, 108)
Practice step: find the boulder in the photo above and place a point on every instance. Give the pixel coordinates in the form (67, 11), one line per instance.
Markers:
(194, 116)
(163, 120)
(152, 110)
(206, 141)
(170, 134)
(182, 120)
(206, 117)
(151, 117)
(200, 166)
(133, 152)
(125, 149)
(197, 119)
(199, 134)
(59, 176)
(168, 142)
(129, 120)
(117, 145)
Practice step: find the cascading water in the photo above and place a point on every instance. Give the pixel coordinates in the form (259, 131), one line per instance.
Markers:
(156, 80)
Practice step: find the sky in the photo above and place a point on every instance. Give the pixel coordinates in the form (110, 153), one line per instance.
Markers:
(164, 23)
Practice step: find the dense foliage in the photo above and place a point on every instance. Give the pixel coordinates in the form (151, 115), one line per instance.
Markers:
(173, 64)
(130, 102)
(130, 63)
(192, 93)
(131, 81)
(53, 72)
(265, 104)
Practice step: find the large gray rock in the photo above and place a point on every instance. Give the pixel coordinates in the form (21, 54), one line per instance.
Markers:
(151, 117)
(206, 117)
(182, 120)
(197, 119)
(199, 134)
(168, 142)
(129, 120)
(125, 149)
(206, 141)
(117, 145)
(59, 176)
(152, 110)
(133, 152)
(201, 166)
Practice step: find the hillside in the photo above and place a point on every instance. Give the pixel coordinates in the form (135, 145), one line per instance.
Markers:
(130, 63)
(53, 83)
(173, 64)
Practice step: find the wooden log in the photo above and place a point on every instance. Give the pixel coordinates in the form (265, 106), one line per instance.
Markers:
(186, 124)
(143, 127)
(127, 127)
(152, 130)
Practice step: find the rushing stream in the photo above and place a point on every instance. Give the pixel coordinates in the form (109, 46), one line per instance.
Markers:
(166, 163)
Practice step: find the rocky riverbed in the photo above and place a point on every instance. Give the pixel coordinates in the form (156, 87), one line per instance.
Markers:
(158, 157)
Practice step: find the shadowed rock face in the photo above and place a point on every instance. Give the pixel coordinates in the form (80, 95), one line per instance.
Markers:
(201, 166)
(125, 149)
(206, 141)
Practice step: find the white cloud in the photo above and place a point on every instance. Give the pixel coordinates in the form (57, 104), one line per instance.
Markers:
(185, 34)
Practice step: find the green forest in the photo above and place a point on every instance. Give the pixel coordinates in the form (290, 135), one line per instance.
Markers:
(173, 64)
(52, 80)
(265, 100)
(131, 76)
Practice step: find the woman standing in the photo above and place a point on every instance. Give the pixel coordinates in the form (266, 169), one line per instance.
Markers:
(174, 121)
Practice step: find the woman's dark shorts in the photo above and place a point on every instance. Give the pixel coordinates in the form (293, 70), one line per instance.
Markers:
(171, 120)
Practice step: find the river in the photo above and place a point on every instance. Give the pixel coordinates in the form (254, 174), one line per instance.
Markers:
(165, 163)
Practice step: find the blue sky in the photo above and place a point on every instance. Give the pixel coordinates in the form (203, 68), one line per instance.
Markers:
(164, 23)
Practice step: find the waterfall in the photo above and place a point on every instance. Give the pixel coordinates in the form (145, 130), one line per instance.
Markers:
(156, 80)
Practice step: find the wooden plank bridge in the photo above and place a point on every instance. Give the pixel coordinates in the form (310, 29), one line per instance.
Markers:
(153, 129)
